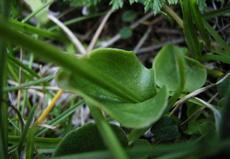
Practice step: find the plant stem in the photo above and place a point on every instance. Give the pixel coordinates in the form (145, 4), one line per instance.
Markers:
(77, 43)
(99, 30)
(174, 15)
(48, 109)
(108, 135)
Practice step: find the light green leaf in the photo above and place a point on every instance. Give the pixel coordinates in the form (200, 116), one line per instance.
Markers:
(35, 5)
(117, 75)
(196, 75)
(138, 115)
(123, 67)
(167, 70)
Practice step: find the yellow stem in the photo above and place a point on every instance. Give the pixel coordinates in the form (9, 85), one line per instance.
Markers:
(46, 112)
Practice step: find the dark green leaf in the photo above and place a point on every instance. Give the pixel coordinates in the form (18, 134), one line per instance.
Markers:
(129, 16)
(215, 57)
(200, 127)
(223, 87)
(225, 124)
(165, 129)
(126, 32)
(85, 139)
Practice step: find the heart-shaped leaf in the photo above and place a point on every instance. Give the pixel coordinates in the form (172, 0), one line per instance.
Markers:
(195, 75)
(85, 139)
(167, 70)
(138, 106)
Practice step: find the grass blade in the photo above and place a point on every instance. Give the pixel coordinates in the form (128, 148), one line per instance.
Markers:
(26, 129)
(20, 64)
(215, 57)
(30, 83)
(225, 124)
(107, 134)
(60, 117)
(189, 30)
(4, 10)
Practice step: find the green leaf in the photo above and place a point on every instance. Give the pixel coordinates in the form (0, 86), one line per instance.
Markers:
(223, 87)
(35, 6)
(200, 127)
(217, 12)
(196, 75)
(116, 4)
(142, 150)
(217, 57)
(157, 5)
(40, 142)
(26, 129)
(199, 21)
(202, 5)
(129, 16)
(30, 143)
(85, 139)
(126, 32)
(117, 75)
(223, 47)
(167, 70)
(190, 30)
(166, 67)
(124, 68)
(154, 5)
(165, 129)
(4, 11)
(141, 114)
(61, 117)
(225, 124)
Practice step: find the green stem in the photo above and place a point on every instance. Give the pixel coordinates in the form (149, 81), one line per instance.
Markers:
(108, 135)
(174, 15)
